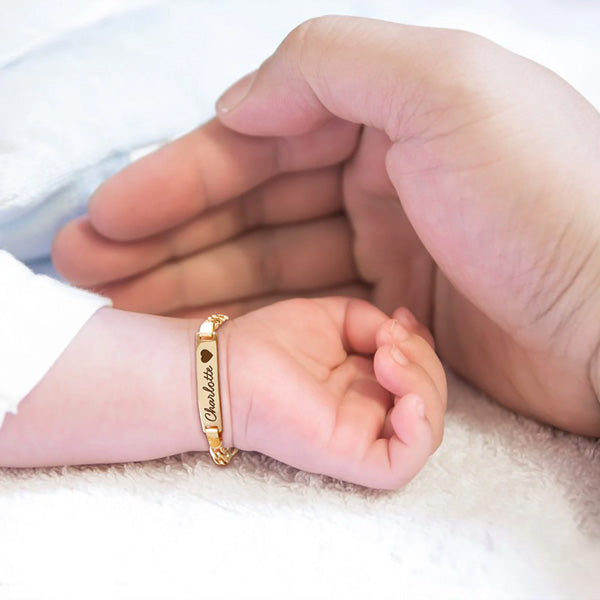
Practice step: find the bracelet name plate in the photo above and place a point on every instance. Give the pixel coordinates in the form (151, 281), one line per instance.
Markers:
(208, 390)
(207, 365)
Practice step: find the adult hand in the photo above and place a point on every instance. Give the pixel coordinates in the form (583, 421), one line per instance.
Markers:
(412, 166)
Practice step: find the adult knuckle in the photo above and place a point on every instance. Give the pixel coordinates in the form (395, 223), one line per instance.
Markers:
(310, 30)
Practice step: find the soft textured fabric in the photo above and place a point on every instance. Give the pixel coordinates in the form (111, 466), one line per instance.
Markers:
(38, 318)
(505, 510)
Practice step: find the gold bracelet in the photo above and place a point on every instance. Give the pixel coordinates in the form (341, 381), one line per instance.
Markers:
(209, 395)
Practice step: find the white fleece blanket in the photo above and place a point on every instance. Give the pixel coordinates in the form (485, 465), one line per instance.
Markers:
(505, 509)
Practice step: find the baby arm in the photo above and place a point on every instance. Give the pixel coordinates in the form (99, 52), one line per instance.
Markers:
(121, 391)
(327, 385)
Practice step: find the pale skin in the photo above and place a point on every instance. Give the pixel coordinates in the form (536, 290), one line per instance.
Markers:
(330, 385)
(409, 166)
(431, 168)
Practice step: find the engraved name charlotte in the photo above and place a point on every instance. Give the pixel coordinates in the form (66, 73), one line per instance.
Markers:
(210, 414)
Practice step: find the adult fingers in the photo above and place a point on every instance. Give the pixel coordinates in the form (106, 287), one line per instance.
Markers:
(205, 168)
(237, 308)
(262, 262)
(388, 251)
(87, 258)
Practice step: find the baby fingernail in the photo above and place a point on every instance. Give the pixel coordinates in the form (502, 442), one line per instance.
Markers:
(420, 407)
(398, 356)
(407, 319)
(398, 331)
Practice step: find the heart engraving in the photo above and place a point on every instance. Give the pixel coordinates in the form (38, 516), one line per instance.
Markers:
(205, 356)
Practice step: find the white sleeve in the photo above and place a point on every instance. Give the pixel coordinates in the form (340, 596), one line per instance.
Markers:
(39, 317)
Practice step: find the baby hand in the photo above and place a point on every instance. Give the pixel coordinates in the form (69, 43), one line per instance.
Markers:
(331, 386)
(334, 386)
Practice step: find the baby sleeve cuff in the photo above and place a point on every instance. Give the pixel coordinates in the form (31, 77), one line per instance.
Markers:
(39, 317)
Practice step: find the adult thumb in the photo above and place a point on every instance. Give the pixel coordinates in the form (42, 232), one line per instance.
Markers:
(361, 70)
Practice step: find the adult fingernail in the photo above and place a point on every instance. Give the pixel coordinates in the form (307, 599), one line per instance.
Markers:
(234, 96)
(398, 356)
